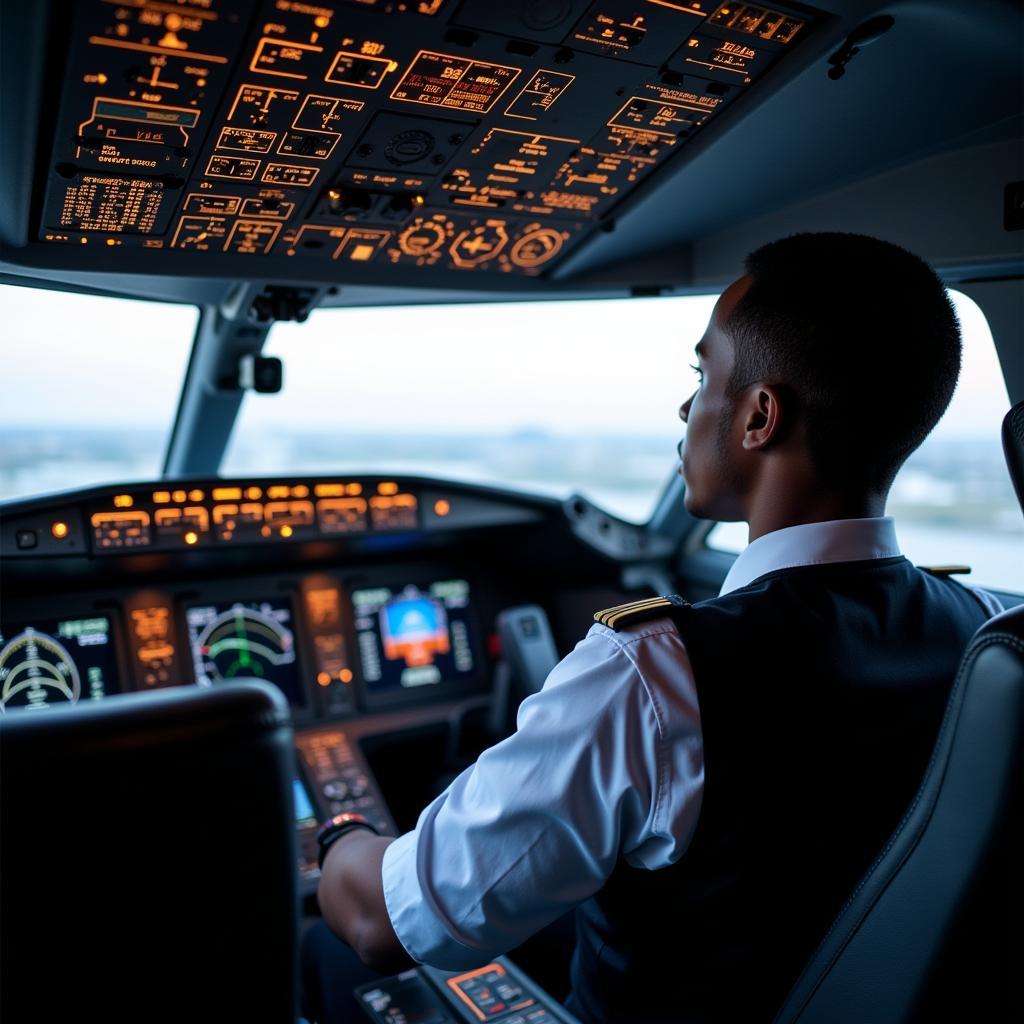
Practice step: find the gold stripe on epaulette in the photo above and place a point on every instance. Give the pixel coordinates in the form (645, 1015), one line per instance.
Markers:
(611, 616)
(946, 570)
(629, 604)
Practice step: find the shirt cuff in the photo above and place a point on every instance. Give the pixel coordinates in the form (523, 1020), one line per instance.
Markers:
(419, 931)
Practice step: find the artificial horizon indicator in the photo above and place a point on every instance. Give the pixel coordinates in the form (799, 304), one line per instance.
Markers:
(467, 138)
(50, 663)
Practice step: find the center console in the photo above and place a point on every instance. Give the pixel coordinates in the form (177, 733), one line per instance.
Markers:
(497, 992)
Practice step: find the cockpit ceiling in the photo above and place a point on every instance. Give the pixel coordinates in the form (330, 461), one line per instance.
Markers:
(481, 137)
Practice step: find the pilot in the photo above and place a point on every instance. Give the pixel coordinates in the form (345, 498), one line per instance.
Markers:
(706, 783)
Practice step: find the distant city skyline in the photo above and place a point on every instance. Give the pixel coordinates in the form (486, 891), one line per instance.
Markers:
(551, 398)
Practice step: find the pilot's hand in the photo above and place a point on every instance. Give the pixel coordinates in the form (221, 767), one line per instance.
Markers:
(351, 898)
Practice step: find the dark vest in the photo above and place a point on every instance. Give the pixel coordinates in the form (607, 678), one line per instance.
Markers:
(821, 691)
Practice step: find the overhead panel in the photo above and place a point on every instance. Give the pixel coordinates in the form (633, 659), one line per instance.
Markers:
(479, 137)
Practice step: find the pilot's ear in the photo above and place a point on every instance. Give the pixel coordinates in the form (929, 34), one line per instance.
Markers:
(764, 420)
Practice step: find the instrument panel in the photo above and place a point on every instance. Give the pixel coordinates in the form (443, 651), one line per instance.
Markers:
(475, 136)
(221, 515)
(332, 643)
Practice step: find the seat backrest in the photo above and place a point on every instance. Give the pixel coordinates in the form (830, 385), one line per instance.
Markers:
(147, 857)
(927, 932)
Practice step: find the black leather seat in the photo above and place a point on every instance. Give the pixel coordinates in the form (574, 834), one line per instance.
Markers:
(148, 859)
(1013, 448)
(934, 929)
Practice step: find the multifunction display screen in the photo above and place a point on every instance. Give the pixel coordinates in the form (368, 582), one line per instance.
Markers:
(52, 663)
(246, 640)
(305, 815)
(414, 636)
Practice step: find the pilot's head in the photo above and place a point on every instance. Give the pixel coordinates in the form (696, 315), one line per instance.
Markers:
(823, 367)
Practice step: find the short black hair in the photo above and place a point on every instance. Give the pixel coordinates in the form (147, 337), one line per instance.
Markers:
(864, 336)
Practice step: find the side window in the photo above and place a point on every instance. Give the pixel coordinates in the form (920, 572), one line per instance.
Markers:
(952, 500)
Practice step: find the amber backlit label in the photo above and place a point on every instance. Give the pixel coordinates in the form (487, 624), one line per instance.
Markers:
(440, 80)
(246, 139)
(539, 95)
(240, 168)
(290, 174)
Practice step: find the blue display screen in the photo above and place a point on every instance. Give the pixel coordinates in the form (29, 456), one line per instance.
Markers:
(304, 812)
(414, 636)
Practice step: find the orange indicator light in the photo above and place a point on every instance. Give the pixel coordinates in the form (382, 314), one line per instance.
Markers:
(302, 491)
(345, 675)
(111, 241)
(178, 495)
(195, 495)
(122, 501)
(59, 530)
(442, 507)
(286, 530)
(322, 20)
(324, 678)
(265, 531)
(191, 537)
(353, 489)
(387, 488)
(161, 497)
(227, 494)
(329, 490)
(277, 491)
(253, 493)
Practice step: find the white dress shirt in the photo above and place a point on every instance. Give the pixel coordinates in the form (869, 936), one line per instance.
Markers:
(606, 761)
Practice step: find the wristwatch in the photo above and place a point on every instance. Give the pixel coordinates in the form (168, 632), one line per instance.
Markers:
(334, 828)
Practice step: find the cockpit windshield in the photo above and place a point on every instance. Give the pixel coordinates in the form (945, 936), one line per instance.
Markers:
(548, 397)
(91, 386)
(552, 397)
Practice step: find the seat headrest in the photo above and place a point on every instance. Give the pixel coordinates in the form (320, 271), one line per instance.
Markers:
(139, 720)
(1008, 623)
(1013, 448)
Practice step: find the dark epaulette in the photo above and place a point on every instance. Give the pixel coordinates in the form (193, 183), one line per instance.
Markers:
(632, 612)
(945, 571)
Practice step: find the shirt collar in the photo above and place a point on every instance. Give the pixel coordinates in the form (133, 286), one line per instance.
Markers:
(837, 540)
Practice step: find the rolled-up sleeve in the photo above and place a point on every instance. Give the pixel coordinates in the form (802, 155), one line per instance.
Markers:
(538, 823)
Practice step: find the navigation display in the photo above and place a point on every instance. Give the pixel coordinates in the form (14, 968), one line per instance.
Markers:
(246, 640)
(51, 663)
(414, 636)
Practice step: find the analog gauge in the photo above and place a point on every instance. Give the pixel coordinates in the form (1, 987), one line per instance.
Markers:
(36, 671)
(242, 642)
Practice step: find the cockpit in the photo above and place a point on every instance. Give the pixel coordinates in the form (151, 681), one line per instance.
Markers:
(344, 344)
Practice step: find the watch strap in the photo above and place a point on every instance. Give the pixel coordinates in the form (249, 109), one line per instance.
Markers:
(334, 828)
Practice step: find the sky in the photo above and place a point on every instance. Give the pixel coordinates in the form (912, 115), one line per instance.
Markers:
(608, 367)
